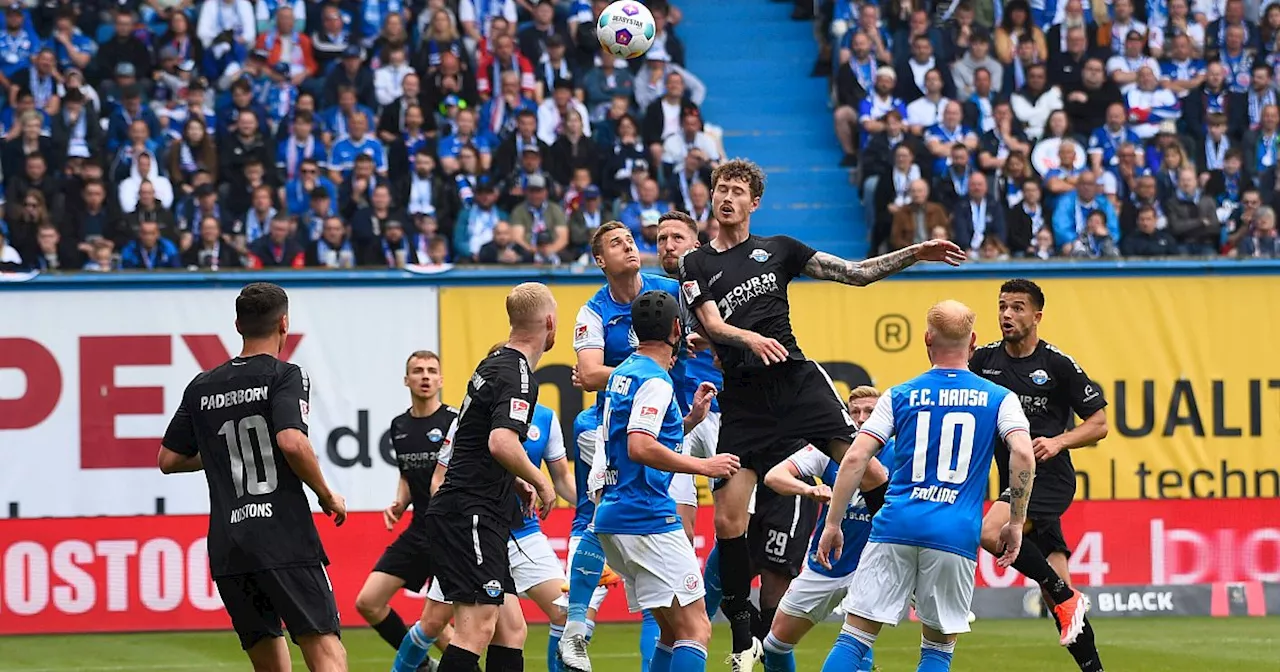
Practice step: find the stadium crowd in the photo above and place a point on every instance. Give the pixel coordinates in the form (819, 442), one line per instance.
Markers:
(144, 134)
(1080, 128)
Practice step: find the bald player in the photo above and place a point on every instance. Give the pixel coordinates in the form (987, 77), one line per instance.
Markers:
(925, 538)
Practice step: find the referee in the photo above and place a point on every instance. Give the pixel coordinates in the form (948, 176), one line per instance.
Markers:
(470, 518)
(1052, 387)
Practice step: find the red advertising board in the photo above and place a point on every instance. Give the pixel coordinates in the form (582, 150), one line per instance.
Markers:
(151, 573)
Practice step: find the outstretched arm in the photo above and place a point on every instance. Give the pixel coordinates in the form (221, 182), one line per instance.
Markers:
(823, 266)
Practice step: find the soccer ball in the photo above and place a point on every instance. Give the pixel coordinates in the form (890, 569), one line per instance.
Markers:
(626, 29)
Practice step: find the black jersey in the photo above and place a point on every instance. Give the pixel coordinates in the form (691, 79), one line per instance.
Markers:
(417, 442)
(502, 393)
(1051, 386)
(259, 517)
(749, 284)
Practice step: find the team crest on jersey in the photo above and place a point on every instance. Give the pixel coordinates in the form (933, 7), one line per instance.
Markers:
(534, 433)
(435, 434)
(1039, 377)
(691, 582)
(519, 410)
(580, 333)
(493, 588)
(759, 255)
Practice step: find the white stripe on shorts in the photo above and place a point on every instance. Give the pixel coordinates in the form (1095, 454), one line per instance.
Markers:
(475, 539)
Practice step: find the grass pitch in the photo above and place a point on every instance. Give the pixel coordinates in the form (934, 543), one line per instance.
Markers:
(1127, 645)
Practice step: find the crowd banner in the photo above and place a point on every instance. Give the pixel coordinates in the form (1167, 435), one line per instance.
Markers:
(142, 573)
(1194, 394)
(89, 379)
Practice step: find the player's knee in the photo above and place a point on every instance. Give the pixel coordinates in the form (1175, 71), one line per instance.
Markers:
(991, 535)
(730, 523)
(693, 624)
(369, 605)
(433, 623)
(844, 115)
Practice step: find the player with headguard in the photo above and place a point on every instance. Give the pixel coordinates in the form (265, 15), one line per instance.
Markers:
(737, 288)
(925, 539)
(245, 424)
(472, 515)
(818, 590)
(416, 438)
(1052, 387)
(636, 519)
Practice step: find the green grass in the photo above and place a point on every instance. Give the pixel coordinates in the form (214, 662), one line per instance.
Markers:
(1138, 645)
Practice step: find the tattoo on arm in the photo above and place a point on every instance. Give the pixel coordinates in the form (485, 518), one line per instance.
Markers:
(1020, 495)
(823, 266)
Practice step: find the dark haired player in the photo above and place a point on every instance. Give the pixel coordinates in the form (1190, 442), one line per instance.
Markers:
(245, 424)
(416, 437)
(737, 287)
(471, 516)
(1051, 386)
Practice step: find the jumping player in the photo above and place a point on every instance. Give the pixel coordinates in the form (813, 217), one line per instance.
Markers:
(1052, 387)
(817, 591)
(475, 510)
(416, 437)
(925, 539)
(636, 519)
(245, 424)
(737, 287)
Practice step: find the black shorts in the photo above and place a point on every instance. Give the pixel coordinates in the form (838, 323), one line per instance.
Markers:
(406, 559)
(300, 596)
(763, 412)
(469, 557)
(779, 532)
(1045, 533)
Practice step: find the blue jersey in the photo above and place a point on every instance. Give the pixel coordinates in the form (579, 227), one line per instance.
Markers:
(346, 150)
(605, 324)
(813, 463)
(951, 420)
(545, 444)
(1106, 143)
(638, 399)
(584, 428)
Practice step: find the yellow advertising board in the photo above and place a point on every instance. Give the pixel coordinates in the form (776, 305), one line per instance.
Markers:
(1190, 365)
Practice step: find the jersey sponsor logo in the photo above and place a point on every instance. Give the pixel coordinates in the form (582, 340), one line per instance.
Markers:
(305, 409)
(991, 372)
(691, 291)
(714, 278)
(519, 410)
(759, 255)
(251, 511)
(248, 395)
(1033, 405)
(493, 588)
(413, 461)
(739, 296)
(1039, 377)
(534, 433)
(435, 434)
(692, 582)
(1090, 392)
(580, 333)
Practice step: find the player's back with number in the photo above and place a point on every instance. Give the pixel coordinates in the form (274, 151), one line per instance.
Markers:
(947, 423)
(259, 515)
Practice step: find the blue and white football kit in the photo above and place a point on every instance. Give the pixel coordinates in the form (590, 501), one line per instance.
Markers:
(925, 539)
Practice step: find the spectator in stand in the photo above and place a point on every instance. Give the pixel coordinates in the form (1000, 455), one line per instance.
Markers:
(440, 37)
(915, 23)
(856, 76)
(517, 182)
(1015, 73)
(1004, 138)
(29, 141)
(352, 72)
(193, 152)
(1145, 195)
(330, 39)
(1236, 57)
(891, 193)
(204, 203)
(41, 78)
(534, 38)
(1015, 28)
(1178, 22)
(1071, 214)
(538, 214)
(648, 201)
(1261, 93)
(952, 183)
(879, 160)
(1262, 241)
(608, 79)
(1214, 97)
(1228, 180)
(89, 218)
(1074, 15)
(1033, 103)
(1008, 182)
(247, 144)
(1150, 105)
(912, 82)
(652, 81)
(965, 71)
(358, 143)
(941, 138)
(73, 48)
(334, 249)
(423, 190)
(694, 169)
(76, 128)
(500, 116)
(1262, 145)
(572, 150)
(227, 30)
(257, 219)
(552, 66)
(1105, 141)
(585, 220)
(298, 191)
(503, 249)
(356, 192)
(1232, 19)
(978, 217)
(101, 256)
(552, 111)
(504, 58)
(915, 222)
(870, 116)
(664, 38)
(647, 242)
(450, 79)
(1193, 217)
(286, 44)
(393, 122)
(209, 252)
(1096, 242)
(277, 249)
(335, 121)
(149, 251)
(624, 161)
(1067, 68)
(51, 252)
(145, 169)
(698, 205)
(10, 259)
(392, 249)
(1087, 103)
(1027, 219)
(477, 220)
(1146, 240)
(466, 135)
(691, 136)
(122, 119)
(926, 111)
(149, 209)
(1122, 24)
(394, 34)
(1180, 72)
(371, 221)
(388, 80)
(1241, 220)
(123, 48)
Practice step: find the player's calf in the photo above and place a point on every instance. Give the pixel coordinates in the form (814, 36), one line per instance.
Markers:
(270, 654)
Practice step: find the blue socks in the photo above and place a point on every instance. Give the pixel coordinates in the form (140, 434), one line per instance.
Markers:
(661, 658)
(585, 568)
(935, 657)
(553, 648)
(711, 581)
(779, 656)
(648, 639)
(413, 650)
(688, 656)
(868, 661)
(849, 651)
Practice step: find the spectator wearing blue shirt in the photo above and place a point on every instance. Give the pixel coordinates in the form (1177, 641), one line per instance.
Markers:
(123, 117)
(1071, 215)
(41, 79)
(464, 135)
(176, 115)
(869, 117)
(940, 138)
(1105, 141)
(149, 251)
(280, 95)
(372, 14)
(72, 48)
(335, 120)
(323, 205)
(1179, 72)
(357, 143)
(17, 43)
(24, 103)
(476, 222)
(633, 215)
